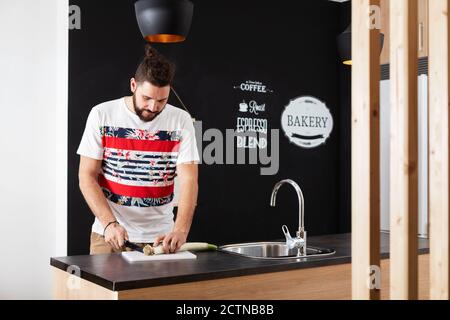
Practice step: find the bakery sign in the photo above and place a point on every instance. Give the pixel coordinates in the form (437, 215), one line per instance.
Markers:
(307, 122)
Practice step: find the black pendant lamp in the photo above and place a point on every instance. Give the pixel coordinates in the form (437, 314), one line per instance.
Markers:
(344, 41)
(164, 20)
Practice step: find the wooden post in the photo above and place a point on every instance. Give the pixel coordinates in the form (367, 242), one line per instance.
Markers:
(365, 150)
(439, 145)
(404, 150)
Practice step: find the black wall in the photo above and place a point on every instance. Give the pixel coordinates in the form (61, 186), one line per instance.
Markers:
(290, 46)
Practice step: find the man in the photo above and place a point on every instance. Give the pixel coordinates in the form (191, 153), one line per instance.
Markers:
(130, 152)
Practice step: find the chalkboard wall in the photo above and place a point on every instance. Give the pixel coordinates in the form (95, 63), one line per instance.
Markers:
(287, 46)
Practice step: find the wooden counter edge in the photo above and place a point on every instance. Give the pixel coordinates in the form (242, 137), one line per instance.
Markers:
(321, 283)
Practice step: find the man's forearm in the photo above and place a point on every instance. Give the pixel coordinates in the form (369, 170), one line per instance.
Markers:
(186, 205)
(96, 200)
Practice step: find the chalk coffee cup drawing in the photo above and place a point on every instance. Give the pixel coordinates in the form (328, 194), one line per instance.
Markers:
(243, 107)
(307, 122)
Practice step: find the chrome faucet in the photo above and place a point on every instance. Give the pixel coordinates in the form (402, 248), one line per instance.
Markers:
(300, 241)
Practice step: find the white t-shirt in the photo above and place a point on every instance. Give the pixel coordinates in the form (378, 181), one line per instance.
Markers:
(139, 164)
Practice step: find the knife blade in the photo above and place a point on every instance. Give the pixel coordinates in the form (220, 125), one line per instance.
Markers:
(133, 246)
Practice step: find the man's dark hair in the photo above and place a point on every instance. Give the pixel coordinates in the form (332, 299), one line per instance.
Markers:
(155, 68)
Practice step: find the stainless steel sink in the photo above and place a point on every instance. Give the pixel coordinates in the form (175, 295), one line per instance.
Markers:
(293, 248)
(273, 250)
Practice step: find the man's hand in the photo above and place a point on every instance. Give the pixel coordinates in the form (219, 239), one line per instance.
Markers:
(116, 235)
(172, 241)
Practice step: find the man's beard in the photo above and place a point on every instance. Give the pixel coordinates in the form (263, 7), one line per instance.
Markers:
(141, 112)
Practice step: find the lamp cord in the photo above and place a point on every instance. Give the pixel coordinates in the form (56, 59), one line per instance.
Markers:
(181, 101)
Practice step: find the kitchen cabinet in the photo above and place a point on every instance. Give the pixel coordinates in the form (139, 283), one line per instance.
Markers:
(422, 25)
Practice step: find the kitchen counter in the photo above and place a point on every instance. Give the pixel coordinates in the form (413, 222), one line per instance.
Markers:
(115, 274)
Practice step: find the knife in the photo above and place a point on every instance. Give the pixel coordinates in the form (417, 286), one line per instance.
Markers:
(133, 246)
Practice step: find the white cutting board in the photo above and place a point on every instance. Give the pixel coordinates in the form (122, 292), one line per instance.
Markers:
(135, 256)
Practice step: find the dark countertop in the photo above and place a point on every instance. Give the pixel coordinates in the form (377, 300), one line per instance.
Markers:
(115, 273)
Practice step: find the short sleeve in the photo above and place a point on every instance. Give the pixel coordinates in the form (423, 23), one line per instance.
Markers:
(91, 143)
(188, 148)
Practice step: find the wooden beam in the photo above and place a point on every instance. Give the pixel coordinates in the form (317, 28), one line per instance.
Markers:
(365, 149)
(404, 150)
(439, 148)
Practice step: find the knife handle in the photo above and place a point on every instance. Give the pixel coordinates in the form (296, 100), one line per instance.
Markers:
(133, 246)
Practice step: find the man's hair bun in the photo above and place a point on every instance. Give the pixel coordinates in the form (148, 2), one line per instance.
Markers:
(155, 68)
(150, 52)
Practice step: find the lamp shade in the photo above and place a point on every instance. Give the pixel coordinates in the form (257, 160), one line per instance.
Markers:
(344, 41)
(164, 20)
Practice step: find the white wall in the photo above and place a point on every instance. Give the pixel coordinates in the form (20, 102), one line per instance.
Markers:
(33, 144)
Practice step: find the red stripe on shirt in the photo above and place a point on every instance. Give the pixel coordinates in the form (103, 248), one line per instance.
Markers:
(135, 191)
(141, 145)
